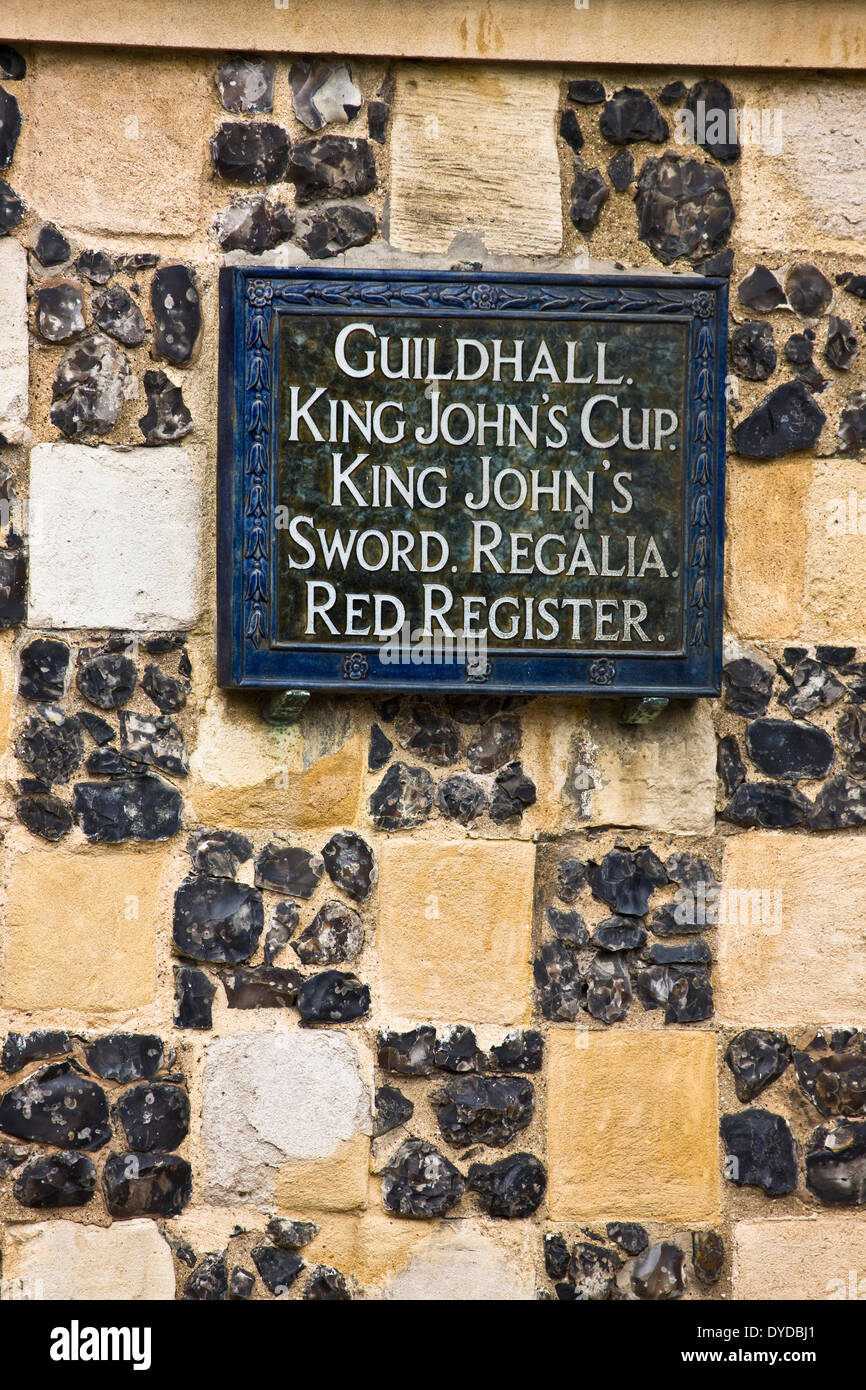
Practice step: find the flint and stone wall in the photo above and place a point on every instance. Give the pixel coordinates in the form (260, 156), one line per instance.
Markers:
(407, 1000)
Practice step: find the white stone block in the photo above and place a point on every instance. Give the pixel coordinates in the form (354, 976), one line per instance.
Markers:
(14, 369)
(59, 1260)
(113, 537)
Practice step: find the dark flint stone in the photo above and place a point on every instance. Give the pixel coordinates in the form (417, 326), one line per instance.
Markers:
(167, 417)
(513, 793)
(10, 127)
(408, 1054)
(333, 997)
(592, 1271)
(241, 1283)
(153, 741)
(183, 1250)
(789, 749)
(283, 921)
(218, 853)
(167, 693)
(12, 208)
(519, 1051)
(432, 736)
(51, 744)
(254, 152)
(137, 260)
(288, 869)
(834, 1080)
(762, 1149)
(568, 926)
(769, 805)
(216, 919)
(628, 1235)
(753, 352)
(570, 879)
(791, 655)
(840, 804)
(608, 988)
(556, 1255)
(658, 1273)
(57, 1106)
(326, 1285)
(852, 421)
(510, 1188)
(12, 64)
(653, 985)
(420, 1182)
(808, 291)
(836, 656)
(176, 308)
(812, 378)
(11, 1157)
(747, 685)
(461, 798)
(392, 1110)
(714, 101)
(676, 919)
(475, 709)
(335, 935)
(165, 642)
(761, 290)
(690, 998)
(589, 193)
(290, 1235)
(116, 313)
(812, 687)
(458, 1051)
(254, 225)
(403, 798)
(684, 208)
(332, 230)
(626, 879)
(798, 350)
(566, 1293)
(323, 92)
(631, 115)
(836, 1164)
(59, 312)
(13, 587)
(757, 1058)
(107, 681)
(332, 166)
(561, 991)
(380, 749)
(484, 1109)
(95, 266)
(853, 284)
(673, 93)
(586, 91)
(154, 1116)
(708, 1256)
(620, 170)
(841, 346)
(246, 85)
(261, 987)
(125, 1056)
(21, 1048)
(56, 1180)
(107, 762)
(785, 422)
(569, 129)
(193, 998)
(146, 1184)
(721, 264)
(208, 1282)
(619, 934)
(378, 116)
(683, 868)
(44, 663)
(688, 953)
(496, 743)
(851, 733)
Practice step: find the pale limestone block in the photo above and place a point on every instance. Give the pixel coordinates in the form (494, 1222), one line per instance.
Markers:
(14, 337)
(800, 1258)
(62, 1260)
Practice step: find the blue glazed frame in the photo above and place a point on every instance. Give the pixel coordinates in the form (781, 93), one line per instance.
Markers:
(252, 298)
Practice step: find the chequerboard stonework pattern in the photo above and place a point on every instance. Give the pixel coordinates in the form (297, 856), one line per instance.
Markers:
(472, 996)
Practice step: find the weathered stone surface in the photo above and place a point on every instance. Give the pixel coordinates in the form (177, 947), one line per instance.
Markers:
(254, 225)
(333, 996)
(107, 680)
(117, 314)
(95, 266)
(246, 85)
(747, 682)
(836, 1164)
(335, 935)
(44, 815)
(408, 1054)
(712, 105)
(420, 1182)
(842, 345)
(56, 1180)
(379, 749)
(129, 1260)
(208, 1282)
(270, 1098)
(57, 1106)
(218, 853)
(12, 64)
(851, 734)
(461, 798)
(425, 731)
(768, 805)
(761, 1151)
(241, 1283)
(512, 1187)
(435, 953)
(521, 1050)
(133, 808)
(44, 663)
(59, 312)
(790, 749)
(379, 111)
(753, 351)
(283, 921)
(90, 386)
(291, 1235)
(216, 919)
(167, 418)
(832, 1072)
(568, 926)
(840, 804)
(193, 998)
(631, 115)
(174, 299)
(12, 209)
(484, 1109)
(647, 1150)
(589, 193)
(812, 687)
(659, 1273)
(496, 743)
(253, 152)
(333, 166)
(100, 953)
(761, 290)
(513, 793)
(798, 1258)
(154, 1184)
(684, 208)
(708, 1256)
(329, 231)
(279, 1268)
(852, 421)
(168, 693)
(808, 290)
(126, 1057)
(261, 987)
(10, 127)
(154, 1116)
(283, 868)
(327, 1285)
(628, 1235)
(561, 988)
(570, 878)
(621, 170)
(403, 798)
(99, 516)
(21, 1048)
(608, 988)
(570, 131)
(351, 864)
(592, 1271)
(153, 741)
(322, 93)
(626, 879)
(458, 1051)
(392, 1110)
(786, 421)
(757, 1058)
